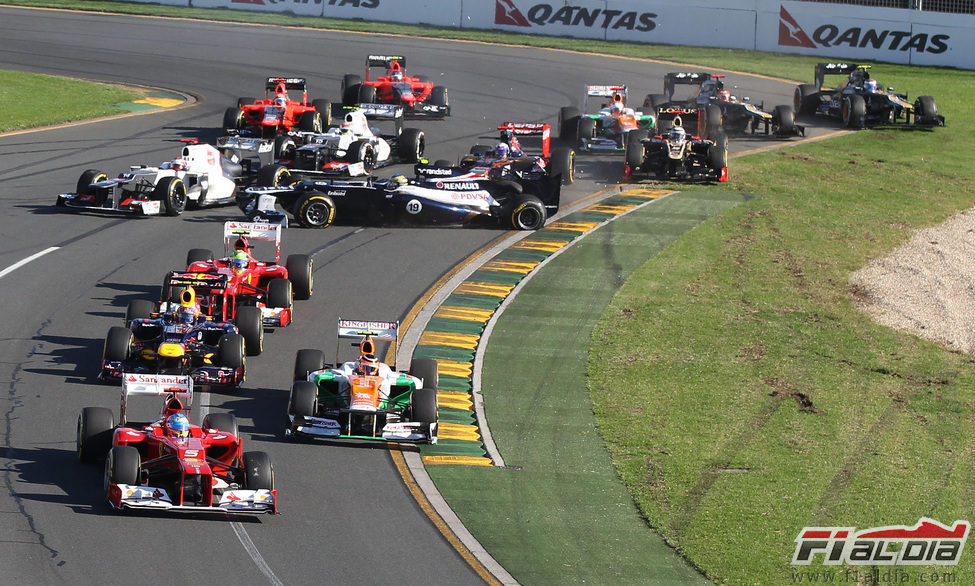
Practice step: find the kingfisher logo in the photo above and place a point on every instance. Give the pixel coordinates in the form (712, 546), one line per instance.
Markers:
(829, 35)
(927, 543)
(507, 13)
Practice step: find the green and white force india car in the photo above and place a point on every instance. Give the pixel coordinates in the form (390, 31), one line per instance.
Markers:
(363, 398)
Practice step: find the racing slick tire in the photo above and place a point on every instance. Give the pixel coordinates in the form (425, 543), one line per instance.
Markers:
(568, 124)
(349, 80)
(366, 94)
(307, 361)
(411, 145)
(310, 121)
(284, 147)
(96, 426)
(350, 93)
(784, 117)
(117, 344)
(230, 351)
(315, 210)
(635, 151)
(197, 255)
(250, 324)
(527, 213)
(426, 369)
(304, 399)
(438, 96)
(87, 178)
(925, 110)
(718, 156)
(225, 422)
(711, 121)
(258, 473)
(564, 163)
(273, 176)
(587, 129)
(805, 99)
(139, 309)
(361, 151)
(122, 466)
(424, 405)
(171, 191)
(300, 274)
(854, 111)
(233, 119)
(324, 107)
(279, 293)
(241, 102)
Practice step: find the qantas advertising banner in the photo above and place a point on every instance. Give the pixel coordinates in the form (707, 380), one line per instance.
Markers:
(833, 31)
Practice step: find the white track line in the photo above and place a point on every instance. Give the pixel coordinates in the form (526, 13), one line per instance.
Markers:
(30, 258)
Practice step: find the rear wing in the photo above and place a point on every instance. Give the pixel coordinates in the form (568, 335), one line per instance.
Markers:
(673, 79)
(824, 69)
(156, 385)
(290, 83)
(604, 91)
(511, 130)
(252, 231)
(361, 330)
(201, 281)
(385, 61)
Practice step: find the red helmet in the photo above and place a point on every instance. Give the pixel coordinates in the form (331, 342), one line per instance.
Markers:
(724, 96)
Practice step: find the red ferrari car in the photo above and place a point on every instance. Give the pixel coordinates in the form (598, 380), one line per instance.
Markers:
(227, 286)
(168, 464)
(277, 113)
(418, 95)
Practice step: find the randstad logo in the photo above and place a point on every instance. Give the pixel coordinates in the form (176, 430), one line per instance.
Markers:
(926, 543)
(541, 14)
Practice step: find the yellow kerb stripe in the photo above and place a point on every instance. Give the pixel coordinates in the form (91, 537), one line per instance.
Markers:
(609, 209)
(464, 313)
(454, 368)
(546, 245)
(511, 266)
(160, 102)
(493, 289)
(457, 431)
(458, 460)
(573, 226)
(466, 341)
(455, 400)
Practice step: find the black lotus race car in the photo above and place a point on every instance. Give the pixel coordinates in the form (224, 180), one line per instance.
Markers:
(859, 101)
(515, 197)
(677, 155)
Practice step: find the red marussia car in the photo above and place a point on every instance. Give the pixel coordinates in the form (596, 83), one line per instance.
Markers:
(418, 95)
(277, 113)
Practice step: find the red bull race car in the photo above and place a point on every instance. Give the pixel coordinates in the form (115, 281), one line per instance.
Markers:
(167, 464)
(418, 95)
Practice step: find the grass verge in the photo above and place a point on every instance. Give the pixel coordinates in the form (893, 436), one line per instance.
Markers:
(31, 100)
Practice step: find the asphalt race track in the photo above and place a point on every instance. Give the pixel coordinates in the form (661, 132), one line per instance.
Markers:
(346, 516)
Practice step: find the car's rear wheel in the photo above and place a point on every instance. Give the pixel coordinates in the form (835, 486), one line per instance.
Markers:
(198, 255)
(87, 178)
(250, 324)
(233, 119)
(711, 121)
(324, 108)
(654, 100)
(139, 309)
(284, 147)
(122, 466)
(438, 96)
(480, 149)
(273, 176)
(424, 405)
(225, 422)
(527, 213)
(308, 360)
(587, 128)
(300, 274)
(362, 151)
(257, 471)
(315, 210)
(117, 344)
(564, 164)
(854, 111)
(805, 99)
(172, 193)
(310, 121)
(304, 399)
(230, 351)
(568, 124)
(96, 425)
(411, 145)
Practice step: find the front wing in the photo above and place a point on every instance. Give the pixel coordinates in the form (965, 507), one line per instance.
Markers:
(252, 502)
(404, 431)
(131, 206)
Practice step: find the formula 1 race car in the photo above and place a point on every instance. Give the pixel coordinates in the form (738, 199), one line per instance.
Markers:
(363, 398)
(354, 148)
(860, 101)
(172, 338)
(278, 114)
(514, 196)
(168, 464)
(605, 131)
(202, 175)
(239, 288)
(509, 154)
(677, 155)
(419, 96)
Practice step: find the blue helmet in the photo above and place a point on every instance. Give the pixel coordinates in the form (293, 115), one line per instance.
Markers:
(502, 150)
(178, 426)
(187, 315)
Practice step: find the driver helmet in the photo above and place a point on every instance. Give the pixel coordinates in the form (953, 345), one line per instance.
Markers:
(280, 102)
(367, 365)
(870, 85)
(178, 426)
(397, 180)
(397, 75)
(177, 164)
(502, 150)
(724, 96)
(240, 260)
(187, 316)
(616, 108)
(677, 134)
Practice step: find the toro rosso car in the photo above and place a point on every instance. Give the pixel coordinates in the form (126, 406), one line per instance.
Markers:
(278, 113)
(860, 101)
(509, 154)
(363, 398)
(516, 197)
(419, 96)
(714, 109)
(677, 155)
(168, 464)
(173, 338)
(606, 130)
(354, 148)
(201, 175)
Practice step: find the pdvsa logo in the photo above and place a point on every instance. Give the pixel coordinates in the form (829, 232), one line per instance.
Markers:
(506, 13)
(791, 34)
(927, 543)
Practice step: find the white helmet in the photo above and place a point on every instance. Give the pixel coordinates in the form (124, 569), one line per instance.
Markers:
(677, 134)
